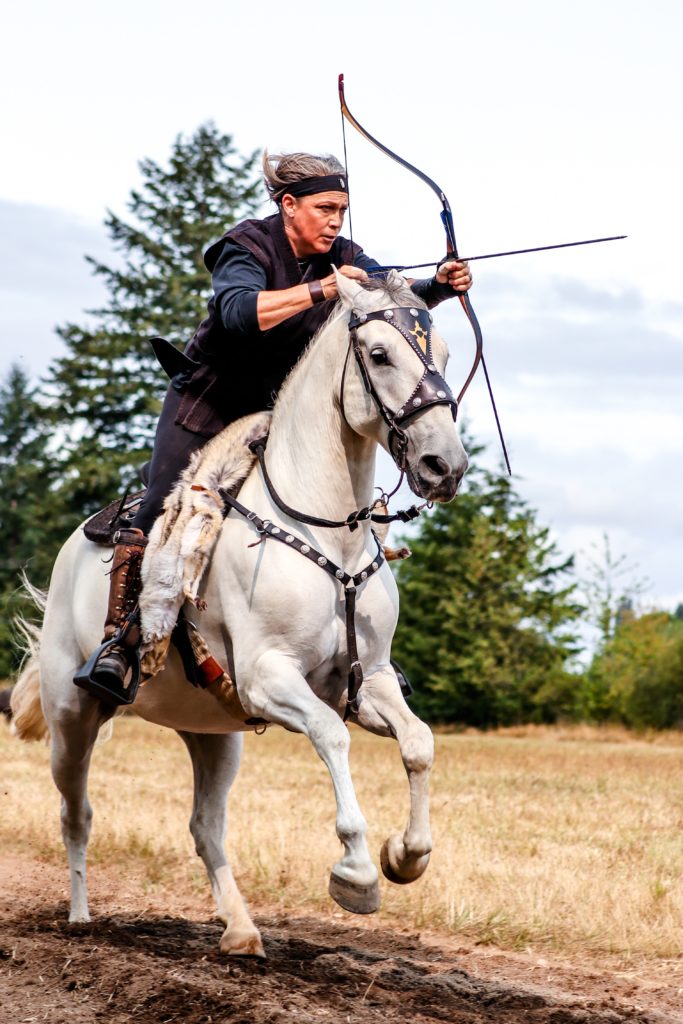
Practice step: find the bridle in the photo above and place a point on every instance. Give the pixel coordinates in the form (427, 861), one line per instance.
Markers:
(415, 327)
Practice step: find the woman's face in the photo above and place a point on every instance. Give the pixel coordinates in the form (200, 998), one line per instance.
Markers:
(313, 222)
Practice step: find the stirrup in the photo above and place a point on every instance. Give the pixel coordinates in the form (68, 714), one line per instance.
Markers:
(110, 694)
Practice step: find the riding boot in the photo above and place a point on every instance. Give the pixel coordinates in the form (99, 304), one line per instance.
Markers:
(106, 677)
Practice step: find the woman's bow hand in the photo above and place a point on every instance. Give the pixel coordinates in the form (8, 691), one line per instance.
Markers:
(456, 273)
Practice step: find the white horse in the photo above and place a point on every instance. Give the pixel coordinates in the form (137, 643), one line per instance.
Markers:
(274, 617)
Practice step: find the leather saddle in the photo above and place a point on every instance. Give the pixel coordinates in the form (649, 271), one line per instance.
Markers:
(118, 515)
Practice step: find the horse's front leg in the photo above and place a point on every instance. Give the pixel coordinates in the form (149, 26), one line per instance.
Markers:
(383, 710)
(274, 688)
(215, 760)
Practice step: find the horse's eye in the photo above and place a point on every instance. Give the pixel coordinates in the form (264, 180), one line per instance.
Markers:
(379, 356)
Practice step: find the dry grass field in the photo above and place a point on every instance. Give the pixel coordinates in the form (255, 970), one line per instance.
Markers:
(561, 840)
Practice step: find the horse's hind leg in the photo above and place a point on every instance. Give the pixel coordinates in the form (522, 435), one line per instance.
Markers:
(74, 725)
(384, 711)
(215, 760)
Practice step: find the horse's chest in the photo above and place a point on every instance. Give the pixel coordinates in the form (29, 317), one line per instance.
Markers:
(294, 605)
(371, 622)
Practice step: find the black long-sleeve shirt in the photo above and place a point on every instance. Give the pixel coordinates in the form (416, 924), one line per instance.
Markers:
(238, 277)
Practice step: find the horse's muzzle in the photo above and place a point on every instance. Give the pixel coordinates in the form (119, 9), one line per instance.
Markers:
(436, 480)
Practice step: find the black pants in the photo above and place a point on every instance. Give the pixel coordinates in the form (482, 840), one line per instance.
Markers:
(173, 446)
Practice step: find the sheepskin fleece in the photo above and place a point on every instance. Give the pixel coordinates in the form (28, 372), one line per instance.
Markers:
(183, 537)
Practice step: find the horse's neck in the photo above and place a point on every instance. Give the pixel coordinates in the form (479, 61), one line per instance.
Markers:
(317, 464)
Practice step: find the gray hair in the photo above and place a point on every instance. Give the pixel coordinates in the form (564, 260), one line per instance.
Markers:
(283, 169)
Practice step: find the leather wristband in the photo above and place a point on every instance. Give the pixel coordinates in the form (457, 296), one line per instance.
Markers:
(317, 291)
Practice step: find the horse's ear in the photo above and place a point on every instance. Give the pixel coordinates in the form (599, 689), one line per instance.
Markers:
(347, 288)
(396, 280)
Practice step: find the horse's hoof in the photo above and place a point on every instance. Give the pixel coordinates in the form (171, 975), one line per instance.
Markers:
(79, 917)
(357, 899)
(242, 943)
(413, 869)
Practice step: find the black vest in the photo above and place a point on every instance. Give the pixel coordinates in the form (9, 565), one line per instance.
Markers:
(239, 374)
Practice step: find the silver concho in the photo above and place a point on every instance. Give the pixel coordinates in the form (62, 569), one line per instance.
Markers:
(289, 538)
(441, 394)
(417, 401)
(413, 312)
(388, 313)
(431, 367)
(322, 560)
(375, 566)
(275, 530)
(363, 575)
(339, 574)
(304, 549)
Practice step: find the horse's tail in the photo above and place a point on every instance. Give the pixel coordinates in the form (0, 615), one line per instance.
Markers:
(28, 719)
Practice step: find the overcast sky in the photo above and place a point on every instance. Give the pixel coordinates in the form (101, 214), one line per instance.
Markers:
(543, 122)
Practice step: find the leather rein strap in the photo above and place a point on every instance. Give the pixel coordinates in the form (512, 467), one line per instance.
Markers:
(360, 515)
(349, 582)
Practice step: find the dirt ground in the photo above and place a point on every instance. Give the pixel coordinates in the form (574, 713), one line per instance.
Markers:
(155, 960)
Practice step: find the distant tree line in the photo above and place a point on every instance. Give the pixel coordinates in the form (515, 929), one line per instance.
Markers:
(490, 611)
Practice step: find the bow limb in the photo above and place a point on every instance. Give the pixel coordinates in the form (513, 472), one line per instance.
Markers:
(451, 250)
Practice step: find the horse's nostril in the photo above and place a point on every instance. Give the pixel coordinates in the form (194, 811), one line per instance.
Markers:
(436, 465)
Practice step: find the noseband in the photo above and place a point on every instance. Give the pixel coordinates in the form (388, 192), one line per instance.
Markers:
(415, 327)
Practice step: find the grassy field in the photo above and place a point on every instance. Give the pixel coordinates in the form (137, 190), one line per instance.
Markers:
(546, 839)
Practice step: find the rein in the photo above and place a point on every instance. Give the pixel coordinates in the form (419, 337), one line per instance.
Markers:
(359, 515)
(349, 582)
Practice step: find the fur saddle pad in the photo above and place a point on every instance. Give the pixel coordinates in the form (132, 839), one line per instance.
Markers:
(183, 537)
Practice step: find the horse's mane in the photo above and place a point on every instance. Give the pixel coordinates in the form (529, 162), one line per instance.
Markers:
(376, 294)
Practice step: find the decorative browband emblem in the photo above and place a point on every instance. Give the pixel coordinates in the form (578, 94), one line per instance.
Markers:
(420, 336)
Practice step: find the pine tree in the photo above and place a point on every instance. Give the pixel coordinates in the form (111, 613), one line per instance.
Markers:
(31, 513)
(106, 391)
(486, 610)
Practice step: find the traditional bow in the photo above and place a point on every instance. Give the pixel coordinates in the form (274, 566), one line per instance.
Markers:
(452, 253)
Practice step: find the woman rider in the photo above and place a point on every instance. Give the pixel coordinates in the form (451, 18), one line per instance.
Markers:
(273, 287)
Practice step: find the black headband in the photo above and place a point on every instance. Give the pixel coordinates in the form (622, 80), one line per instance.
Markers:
(310, 186)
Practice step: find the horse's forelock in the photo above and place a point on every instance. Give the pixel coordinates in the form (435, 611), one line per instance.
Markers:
(394, 290)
